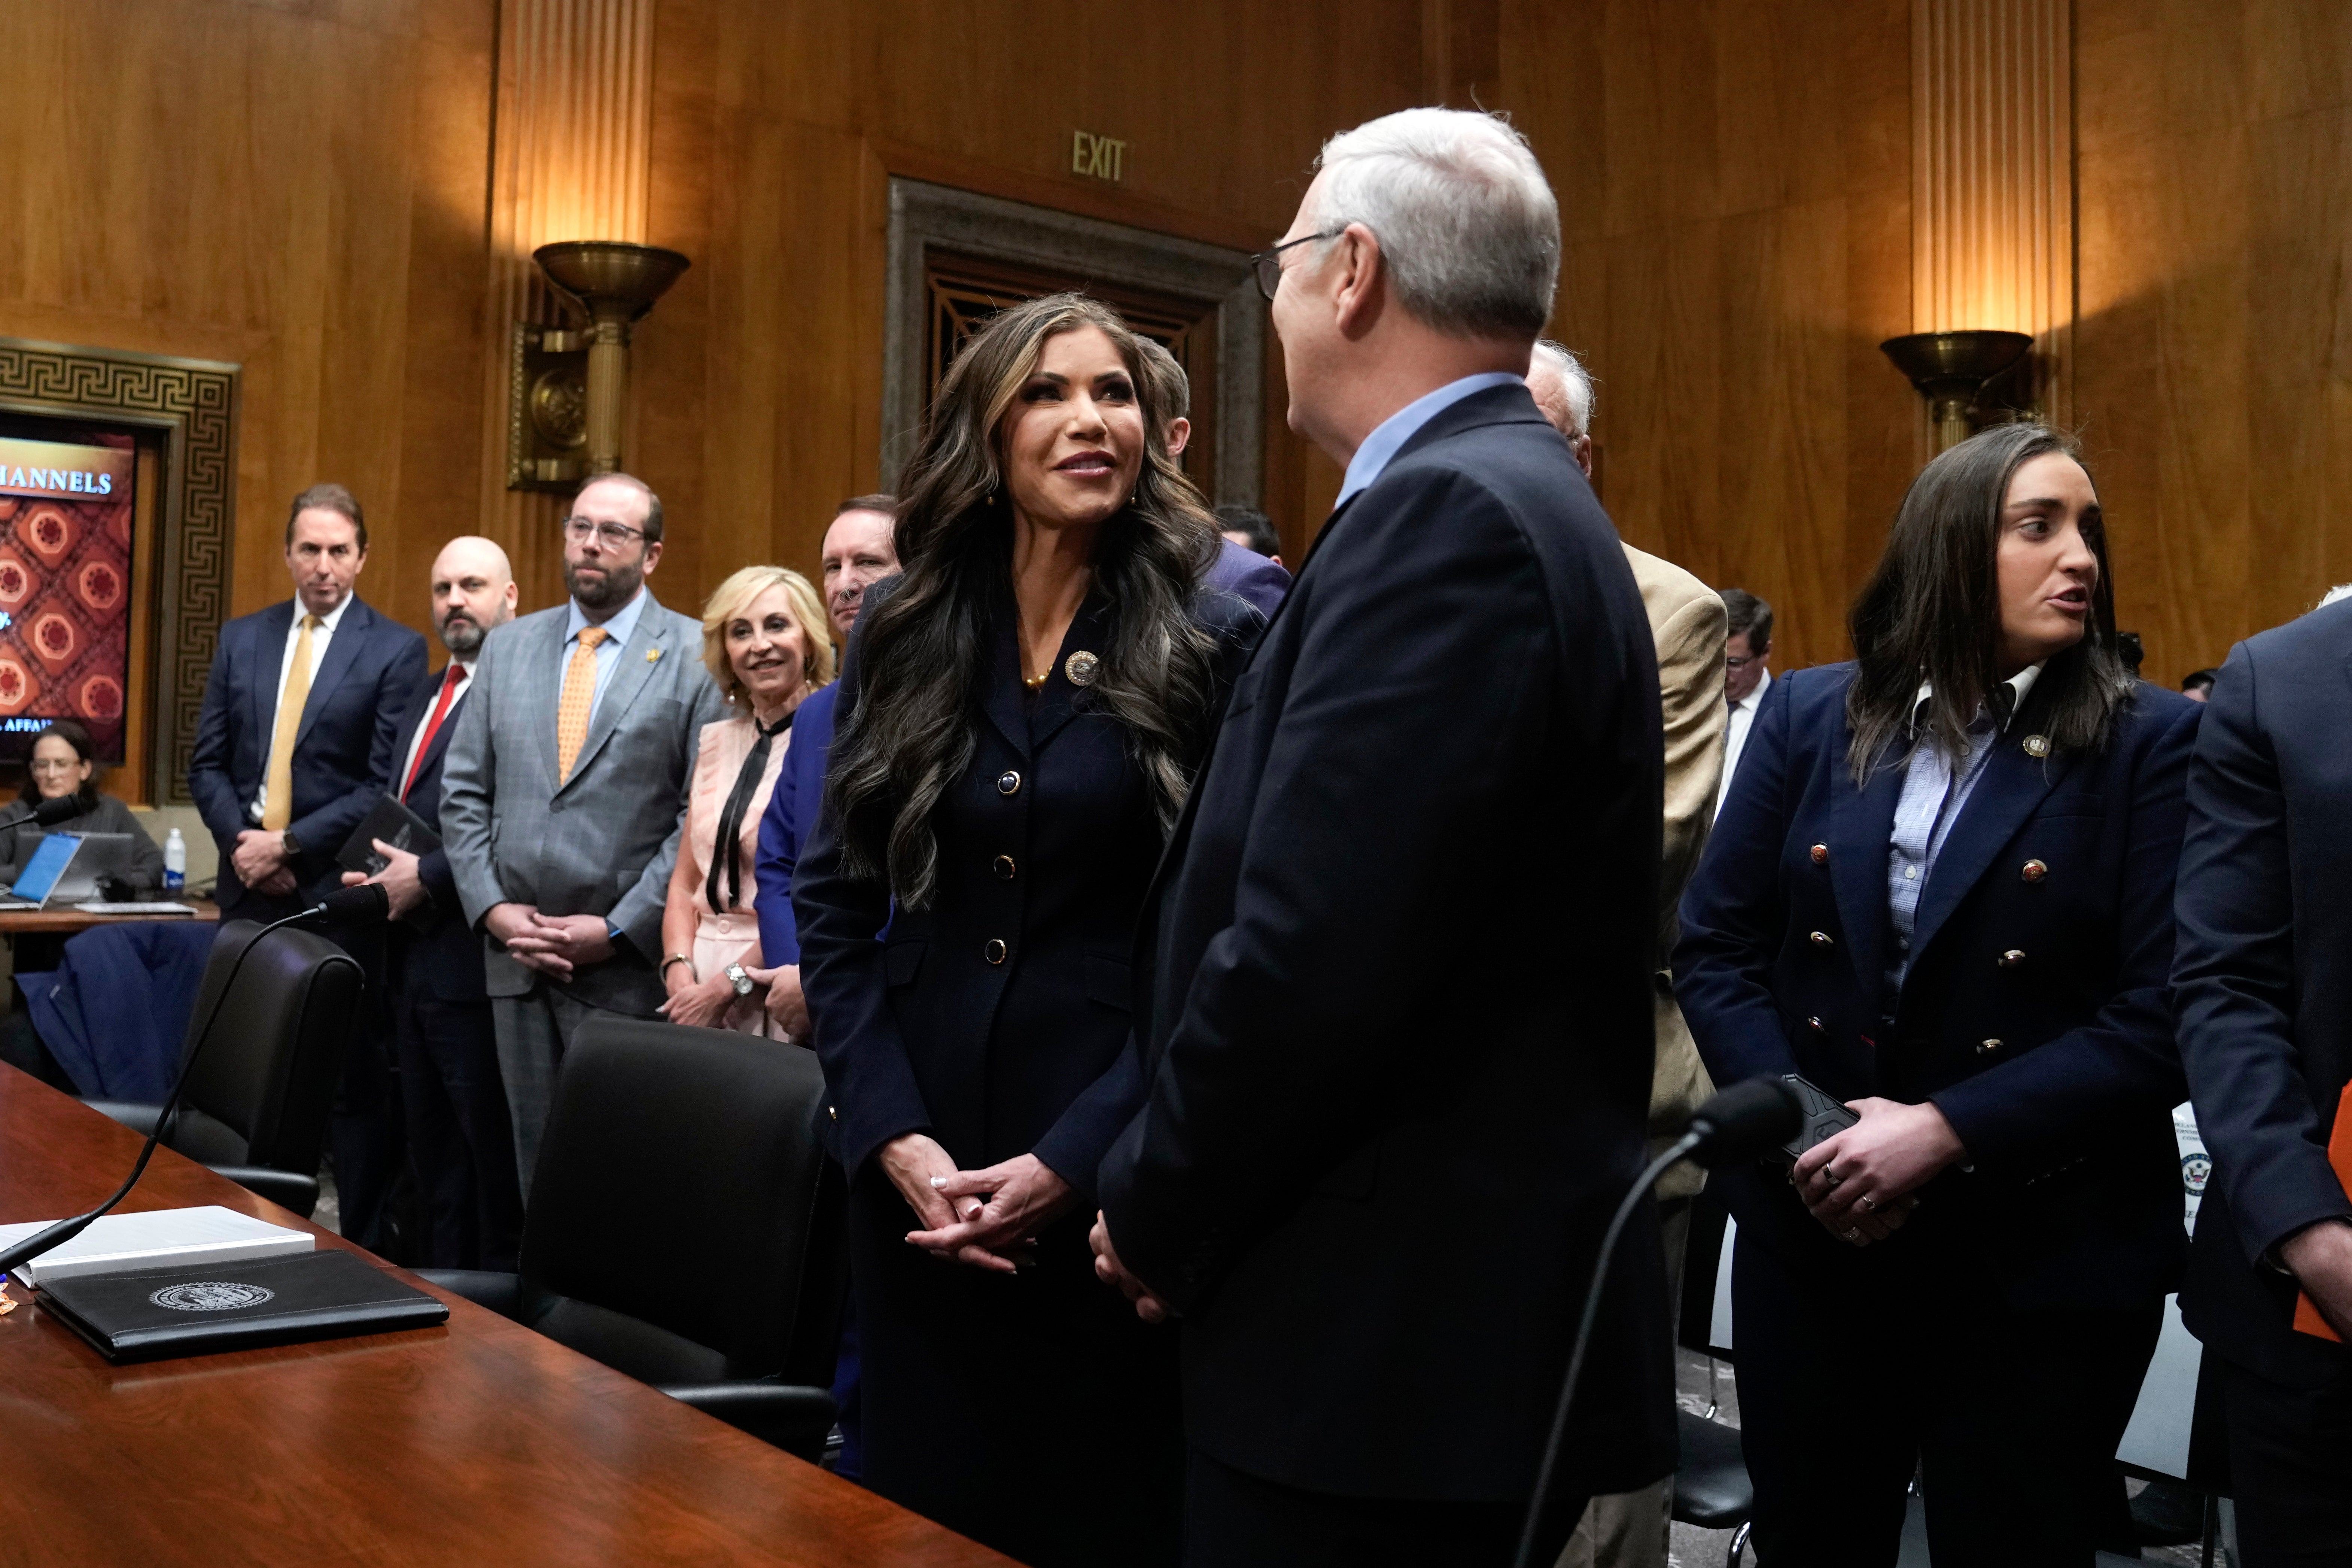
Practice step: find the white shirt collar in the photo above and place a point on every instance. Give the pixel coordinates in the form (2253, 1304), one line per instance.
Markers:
(1755, 699)
(329, 621)
(1392, 433)
(2019, 685)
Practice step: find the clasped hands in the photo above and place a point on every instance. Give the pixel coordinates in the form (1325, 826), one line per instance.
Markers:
(1862, 1184)
(552, 944)
(987, 1219)
(261, 862)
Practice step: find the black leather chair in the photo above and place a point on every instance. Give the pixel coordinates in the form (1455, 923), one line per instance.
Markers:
(1712, 1490)
(257, 1105)
(686, 1226)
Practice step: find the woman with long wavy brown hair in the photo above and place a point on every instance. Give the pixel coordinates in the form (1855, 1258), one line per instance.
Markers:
(1021, 716)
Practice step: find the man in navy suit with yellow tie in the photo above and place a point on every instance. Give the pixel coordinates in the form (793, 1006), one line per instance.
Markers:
(294, 746)
(459, 1141)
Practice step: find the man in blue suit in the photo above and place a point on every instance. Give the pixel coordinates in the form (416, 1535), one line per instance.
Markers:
(292, 752)
(460, 1142)
(294, 747)
(2263, 992)
(860, 550)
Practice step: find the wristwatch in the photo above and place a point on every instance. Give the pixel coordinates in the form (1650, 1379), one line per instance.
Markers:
(293, 848)
(740, 981)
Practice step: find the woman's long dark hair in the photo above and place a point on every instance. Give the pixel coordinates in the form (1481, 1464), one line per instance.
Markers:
(921, 649)
(73, 733)
(1932, 610)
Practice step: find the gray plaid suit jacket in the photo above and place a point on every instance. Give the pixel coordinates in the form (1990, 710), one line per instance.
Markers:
(602, 842)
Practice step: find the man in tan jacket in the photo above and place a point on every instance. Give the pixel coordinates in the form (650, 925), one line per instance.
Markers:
(1689, 624)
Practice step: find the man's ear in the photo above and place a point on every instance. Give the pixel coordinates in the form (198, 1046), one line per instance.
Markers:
(1359, 278)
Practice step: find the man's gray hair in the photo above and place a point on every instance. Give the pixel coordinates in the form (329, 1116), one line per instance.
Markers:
(1575, 383)
(1468, 227)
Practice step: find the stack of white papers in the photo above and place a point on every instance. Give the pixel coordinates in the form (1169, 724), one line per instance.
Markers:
(158, 1239)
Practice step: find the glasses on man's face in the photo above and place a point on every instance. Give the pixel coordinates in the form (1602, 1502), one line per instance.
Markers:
(51, 765)
(1269, 262)
(1738, 661)
(611, 535)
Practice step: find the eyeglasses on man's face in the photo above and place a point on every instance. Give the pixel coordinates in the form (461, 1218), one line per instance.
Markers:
(1738, 661)
(611, 535)
(1269, 262)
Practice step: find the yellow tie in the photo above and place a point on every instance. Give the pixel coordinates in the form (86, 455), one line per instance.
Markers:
(277, 796)
(579, 696)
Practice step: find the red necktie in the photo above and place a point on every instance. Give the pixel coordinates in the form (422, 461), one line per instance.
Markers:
(449, 684)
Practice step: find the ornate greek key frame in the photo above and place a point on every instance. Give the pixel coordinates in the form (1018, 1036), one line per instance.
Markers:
(193, 403)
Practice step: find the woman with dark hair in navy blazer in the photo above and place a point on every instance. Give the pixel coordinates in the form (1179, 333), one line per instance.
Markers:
(1941, 891)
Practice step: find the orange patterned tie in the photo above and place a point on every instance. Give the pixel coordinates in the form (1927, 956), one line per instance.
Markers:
(579, 697)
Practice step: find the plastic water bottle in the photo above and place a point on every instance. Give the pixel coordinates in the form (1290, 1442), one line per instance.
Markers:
(175, 862)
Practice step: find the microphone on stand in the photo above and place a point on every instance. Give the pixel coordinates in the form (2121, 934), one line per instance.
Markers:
(365, 904)
(1736, 1124)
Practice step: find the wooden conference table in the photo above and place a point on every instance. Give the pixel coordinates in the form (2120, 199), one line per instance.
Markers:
(474, 1443)
(67, 921)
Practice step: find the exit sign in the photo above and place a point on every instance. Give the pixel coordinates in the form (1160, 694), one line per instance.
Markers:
(1097, 157)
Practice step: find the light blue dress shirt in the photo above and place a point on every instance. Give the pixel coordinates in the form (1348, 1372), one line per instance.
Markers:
(1936, 786)
(1403, 425)
(608, 652)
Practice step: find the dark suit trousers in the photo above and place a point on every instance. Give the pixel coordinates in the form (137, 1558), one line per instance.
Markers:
(460, 1142)
(1232, 1519)
(2291, 1468)
(1850, 1378)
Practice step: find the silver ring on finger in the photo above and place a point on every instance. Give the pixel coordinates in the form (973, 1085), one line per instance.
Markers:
(1867, 1202)
(1854, 1233)
(1830, 1174)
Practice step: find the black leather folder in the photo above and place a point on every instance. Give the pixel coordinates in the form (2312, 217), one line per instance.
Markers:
(394, 824)
(322, 1295)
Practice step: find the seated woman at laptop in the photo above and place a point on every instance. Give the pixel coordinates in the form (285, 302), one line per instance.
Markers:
(65, 762)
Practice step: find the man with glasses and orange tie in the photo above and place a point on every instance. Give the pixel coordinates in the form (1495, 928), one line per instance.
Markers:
(294, 746)
(563, 791)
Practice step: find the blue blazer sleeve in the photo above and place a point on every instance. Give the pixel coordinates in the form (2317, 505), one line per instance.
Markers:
(209, 765)
(2037, 1107)
(800, 786)
(2234, 977)
(1733, 914)
(866, 1071)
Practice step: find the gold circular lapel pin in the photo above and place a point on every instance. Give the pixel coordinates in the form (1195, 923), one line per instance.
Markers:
(2037, 745)
(1081, 668)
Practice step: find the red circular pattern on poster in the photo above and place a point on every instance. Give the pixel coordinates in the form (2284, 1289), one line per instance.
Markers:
(17, 687)
(54, 636)
(14, 581)
(101, 585)
(101, 697)
(49, 532)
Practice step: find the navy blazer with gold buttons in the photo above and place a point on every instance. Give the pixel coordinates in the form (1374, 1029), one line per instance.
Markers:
(998, 1019)
(2035, 1014)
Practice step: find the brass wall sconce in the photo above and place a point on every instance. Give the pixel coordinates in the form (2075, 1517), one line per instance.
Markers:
(567, 390)
(1951, 369)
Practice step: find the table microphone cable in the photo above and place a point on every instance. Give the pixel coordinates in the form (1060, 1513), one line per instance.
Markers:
(1736, 1123)
(366, 902)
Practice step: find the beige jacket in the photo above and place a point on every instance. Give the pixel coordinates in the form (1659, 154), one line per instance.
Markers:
(1690, 626)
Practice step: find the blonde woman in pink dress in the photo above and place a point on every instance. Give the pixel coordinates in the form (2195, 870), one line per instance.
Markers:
(763, 640)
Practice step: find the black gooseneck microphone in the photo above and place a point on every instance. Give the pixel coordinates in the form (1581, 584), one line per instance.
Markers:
(1737, 1123)
(45, 814)
(365, 903)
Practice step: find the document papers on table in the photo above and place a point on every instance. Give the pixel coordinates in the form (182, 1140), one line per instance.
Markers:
(158, 1239)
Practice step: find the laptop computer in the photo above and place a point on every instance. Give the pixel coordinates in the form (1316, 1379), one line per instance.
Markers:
(37, 882)
(101, 855)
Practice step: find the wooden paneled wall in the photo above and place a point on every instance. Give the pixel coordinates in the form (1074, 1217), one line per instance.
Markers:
(307, 187)
(1735, 189)
(2213, 356)
(297, 186)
